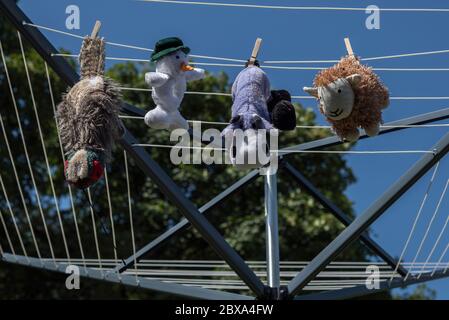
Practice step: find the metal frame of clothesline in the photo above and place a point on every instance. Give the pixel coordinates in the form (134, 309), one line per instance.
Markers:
(197, 216)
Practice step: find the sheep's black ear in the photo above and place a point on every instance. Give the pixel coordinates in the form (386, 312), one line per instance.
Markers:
(256, 122)
(235, 119)
(256, 63)
(276, 97)
(283, 116)
(280, 95)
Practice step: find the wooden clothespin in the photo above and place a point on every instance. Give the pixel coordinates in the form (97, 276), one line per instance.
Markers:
(96, 29)
(349, 47)
(255, 52)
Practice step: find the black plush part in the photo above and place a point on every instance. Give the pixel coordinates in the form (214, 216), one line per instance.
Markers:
(283, 116)
(256, 63)
(276, 97)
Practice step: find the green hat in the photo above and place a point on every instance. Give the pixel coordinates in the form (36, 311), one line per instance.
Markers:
(166, 46)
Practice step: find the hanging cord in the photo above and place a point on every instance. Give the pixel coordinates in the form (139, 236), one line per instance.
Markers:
(294, 8)
(418, 214)
(435, 213)
(75, 219)
(101, 219)
(233, 65)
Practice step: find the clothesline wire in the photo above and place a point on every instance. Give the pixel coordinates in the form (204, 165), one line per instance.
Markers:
(295, 8)
(415, 222)
(44, 149)
(133, 240)
(13, 218)
(111, 217)
(441, 259)
(429, 225)
(222, 263)
(437, 241)
(94, 227)
(8, 238)
(224, 94)
(307, 126)
(262, 66)
(128, 46)
(27, 214)
(395, 56)
(289, 151)
(72, 202)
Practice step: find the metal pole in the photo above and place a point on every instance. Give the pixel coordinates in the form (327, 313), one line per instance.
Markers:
(167, 186)
(366, 219)
(306, 185)
(128, 280)
(272, 232)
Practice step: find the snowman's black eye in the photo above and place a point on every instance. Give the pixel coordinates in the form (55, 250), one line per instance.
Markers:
(339, 90)
(177, 57)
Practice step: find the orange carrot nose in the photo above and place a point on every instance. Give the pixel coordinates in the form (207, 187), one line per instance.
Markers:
(186, 67)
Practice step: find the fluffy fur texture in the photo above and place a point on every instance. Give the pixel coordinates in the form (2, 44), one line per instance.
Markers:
(370, 97)
(281, 109)
(86, 165)
(88, 114)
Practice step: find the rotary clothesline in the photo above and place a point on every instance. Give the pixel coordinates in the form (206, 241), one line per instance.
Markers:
(129, 200)
(100, 266)
(395, 56)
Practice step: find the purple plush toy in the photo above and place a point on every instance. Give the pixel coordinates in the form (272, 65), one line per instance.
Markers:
(257, 108)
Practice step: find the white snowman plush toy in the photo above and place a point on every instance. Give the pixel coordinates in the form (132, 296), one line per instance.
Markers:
(169, 83)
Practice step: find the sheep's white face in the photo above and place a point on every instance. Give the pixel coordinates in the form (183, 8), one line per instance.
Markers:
(337, 98)
(172, 64)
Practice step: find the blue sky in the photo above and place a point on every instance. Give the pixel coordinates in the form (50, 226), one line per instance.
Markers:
(310, 35)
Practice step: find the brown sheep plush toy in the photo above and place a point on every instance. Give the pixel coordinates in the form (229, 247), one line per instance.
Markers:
(351, 96)
(88, 118)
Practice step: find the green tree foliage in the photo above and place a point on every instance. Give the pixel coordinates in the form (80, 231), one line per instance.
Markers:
(421, 292)
(305, 227)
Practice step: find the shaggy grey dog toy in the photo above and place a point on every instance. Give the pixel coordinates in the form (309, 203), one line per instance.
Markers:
(88, 118)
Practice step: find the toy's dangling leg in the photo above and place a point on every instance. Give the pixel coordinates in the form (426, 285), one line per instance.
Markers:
(178, 121)
(372, 130)
(352, 136)
(158, 118)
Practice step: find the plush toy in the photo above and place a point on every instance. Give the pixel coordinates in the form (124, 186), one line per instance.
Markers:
(169, 83)
(350, 96)
(88, 118)
(282, 112)
(256, 107)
